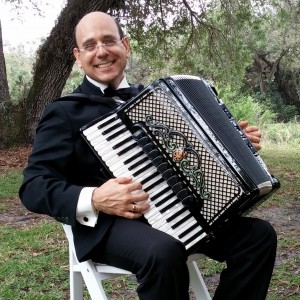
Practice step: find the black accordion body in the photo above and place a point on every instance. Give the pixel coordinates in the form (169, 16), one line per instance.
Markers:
(180, 141)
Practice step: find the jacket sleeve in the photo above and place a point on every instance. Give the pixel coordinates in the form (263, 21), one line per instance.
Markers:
(47, 187)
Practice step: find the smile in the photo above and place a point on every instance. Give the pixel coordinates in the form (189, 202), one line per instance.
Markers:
(104, 65)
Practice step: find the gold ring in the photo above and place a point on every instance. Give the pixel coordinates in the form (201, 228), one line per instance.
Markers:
(133, 207)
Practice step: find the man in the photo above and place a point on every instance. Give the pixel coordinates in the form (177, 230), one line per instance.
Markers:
(63, 179)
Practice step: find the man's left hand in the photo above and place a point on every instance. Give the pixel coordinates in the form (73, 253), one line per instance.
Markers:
(252, 133)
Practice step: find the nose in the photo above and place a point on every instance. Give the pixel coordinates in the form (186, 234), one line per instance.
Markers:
(100, 50)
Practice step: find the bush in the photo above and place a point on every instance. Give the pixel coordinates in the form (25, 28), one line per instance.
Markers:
(244, 107)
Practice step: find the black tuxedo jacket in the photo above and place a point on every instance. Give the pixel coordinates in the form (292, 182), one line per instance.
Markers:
(61, 164)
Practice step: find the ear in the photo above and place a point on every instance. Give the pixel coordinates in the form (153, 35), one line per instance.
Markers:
(127, 46)
(76, 53)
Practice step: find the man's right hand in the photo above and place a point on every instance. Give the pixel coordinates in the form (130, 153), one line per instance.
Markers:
(121, 197)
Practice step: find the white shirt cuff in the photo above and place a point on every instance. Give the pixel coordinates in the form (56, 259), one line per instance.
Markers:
(85, 214)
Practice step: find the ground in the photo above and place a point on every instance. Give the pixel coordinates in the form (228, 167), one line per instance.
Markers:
(284, 218)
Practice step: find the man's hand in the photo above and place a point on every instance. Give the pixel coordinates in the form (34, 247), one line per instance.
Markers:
(252, 133)
(121, 197)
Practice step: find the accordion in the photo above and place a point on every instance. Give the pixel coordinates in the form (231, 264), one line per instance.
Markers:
(180, 141)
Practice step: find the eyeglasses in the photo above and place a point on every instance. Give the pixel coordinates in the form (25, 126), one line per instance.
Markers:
(93, 48)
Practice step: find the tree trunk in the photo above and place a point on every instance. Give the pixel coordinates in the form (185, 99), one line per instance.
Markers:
(4, 91)
(4, 95)
(54, 63)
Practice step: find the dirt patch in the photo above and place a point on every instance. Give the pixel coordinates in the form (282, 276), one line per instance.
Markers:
(285, 220)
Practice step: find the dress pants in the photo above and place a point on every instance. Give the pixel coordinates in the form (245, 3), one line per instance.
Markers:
(247, 245)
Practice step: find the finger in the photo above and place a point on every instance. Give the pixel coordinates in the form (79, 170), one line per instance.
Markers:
(243, 124)
(123, 180)
(253, 130)
(253, 138)
(256, 146)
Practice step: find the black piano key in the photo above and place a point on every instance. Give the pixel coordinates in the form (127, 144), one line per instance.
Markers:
(113, 136)
(122, 152)
(167, 174)
(137, 135)
(188, 200)
(153, 154)
(135, 165)
(143, 141)
(169, 206)
(150, 187)
(157, 160)
(142, 170)
(148, 147)
(175, 215)
(172, 180)
(163, 167)
(183, 194)
(165, 190)
(108, 122)
(162, 201)
(145, 180)
(127, 161)
(110, 129)
(181, 221)
(118, 145)
(189, 229)
(177, 187)
(192, 238)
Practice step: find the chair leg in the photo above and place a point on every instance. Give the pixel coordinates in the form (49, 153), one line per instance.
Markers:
(197, 283)
(76, 280)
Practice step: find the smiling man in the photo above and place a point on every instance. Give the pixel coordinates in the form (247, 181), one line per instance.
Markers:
(102, 50)
(66, 181)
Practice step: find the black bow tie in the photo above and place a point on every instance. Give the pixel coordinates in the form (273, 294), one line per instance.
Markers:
(124, 94)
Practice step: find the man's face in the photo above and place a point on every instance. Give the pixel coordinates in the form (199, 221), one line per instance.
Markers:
(105, 64)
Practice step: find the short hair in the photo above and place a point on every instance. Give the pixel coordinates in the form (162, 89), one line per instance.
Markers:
(121, 32)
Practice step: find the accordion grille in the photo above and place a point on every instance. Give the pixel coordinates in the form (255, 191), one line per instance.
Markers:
(220, 191)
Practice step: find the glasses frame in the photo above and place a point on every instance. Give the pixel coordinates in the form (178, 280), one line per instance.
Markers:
(98, 45)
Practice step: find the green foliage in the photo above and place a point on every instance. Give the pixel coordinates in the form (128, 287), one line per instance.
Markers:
(244, 107)
(273, 100)
(74, 80)
(19, 67)
(282, 135)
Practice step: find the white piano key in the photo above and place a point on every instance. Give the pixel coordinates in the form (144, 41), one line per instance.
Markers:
(102, 139)
(94, 128)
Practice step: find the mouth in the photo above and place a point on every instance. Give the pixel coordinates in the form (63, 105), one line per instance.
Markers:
(105, 65)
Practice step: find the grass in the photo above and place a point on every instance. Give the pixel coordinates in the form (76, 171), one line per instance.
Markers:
(9, 184)
(34, 259)
(33, 263)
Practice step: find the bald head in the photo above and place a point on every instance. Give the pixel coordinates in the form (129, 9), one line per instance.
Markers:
(95, 17)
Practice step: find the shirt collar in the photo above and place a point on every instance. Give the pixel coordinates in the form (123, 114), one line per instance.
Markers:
(102, 86)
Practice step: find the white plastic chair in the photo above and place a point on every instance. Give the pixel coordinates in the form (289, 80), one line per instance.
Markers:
(93, 274)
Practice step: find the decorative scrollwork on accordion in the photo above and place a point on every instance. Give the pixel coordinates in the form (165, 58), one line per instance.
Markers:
(177, 144)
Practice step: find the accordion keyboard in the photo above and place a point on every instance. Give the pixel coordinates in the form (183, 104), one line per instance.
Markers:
(128, 156)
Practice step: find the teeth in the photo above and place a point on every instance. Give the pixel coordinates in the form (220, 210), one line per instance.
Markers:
(105, 65)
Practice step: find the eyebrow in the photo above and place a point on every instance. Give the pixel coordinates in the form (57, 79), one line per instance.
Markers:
(90, 40)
